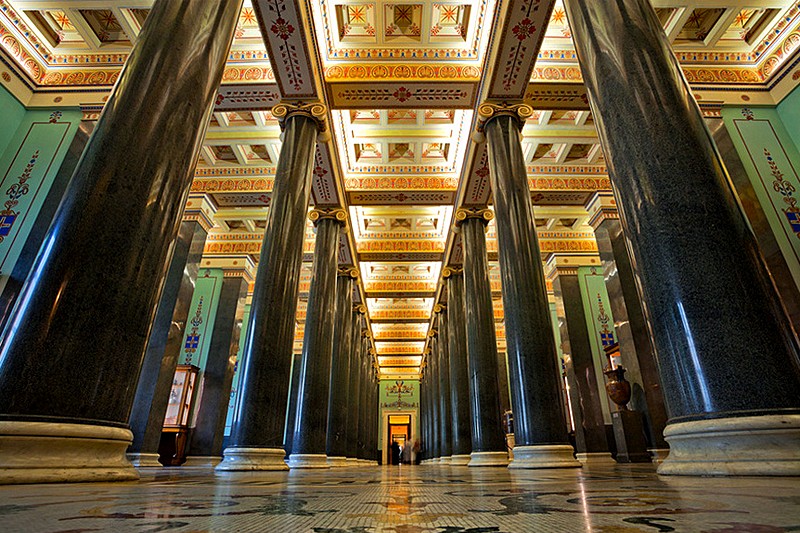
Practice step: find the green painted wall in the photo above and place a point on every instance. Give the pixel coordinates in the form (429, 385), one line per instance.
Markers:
(12, 112)
(599, 323)
(34, 151)
(789, 113)
(202, 313)
(236, 373)
(772, 162)
(398, 397)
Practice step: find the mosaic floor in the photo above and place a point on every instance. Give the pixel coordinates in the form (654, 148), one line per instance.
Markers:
(408, 499)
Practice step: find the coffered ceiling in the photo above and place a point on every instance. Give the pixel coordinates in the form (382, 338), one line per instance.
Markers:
(402, 82)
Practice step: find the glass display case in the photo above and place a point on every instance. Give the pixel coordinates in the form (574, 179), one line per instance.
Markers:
(172, 448)
(181, 396)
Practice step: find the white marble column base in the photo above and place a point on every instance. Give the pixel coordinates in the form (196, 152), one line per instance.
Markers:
(481, 459)
(766, 445)
(308, 460)
(244, 459)
(459, 460)
(337, 462)
(546, 456)
(352, 461)
(659, 454)
(743, 446)
(445, 461)
(144, 460)
(596, 458)
(203, 460)
(49, 452)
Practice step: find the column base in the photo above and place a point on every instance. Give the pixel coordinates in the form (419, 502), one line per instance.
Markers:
(445, 461)
(203, 460)
(596, 458)
(337, 462)
(144, 460)
(482, 459)
(547, 456)
(352, 461)
(459, 460)
(766, 445)
(658, 454)
(243, 459)
(50, 452)
(308, 460)
(364, 462)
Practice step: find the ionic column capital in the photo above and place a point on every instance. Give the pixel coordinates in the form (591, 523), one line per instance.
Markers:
(463, 214)
(433, 333)
(450, 271)
(489, 110)
(439, 308)
(347, 272)
(336, 214)
(316, 111)
(361, 309)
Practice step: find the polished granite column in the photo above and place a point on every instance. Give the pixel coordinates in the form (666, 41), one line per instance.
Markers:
(436, 406)
(257, 436)
(291, 402)
(363, 411)
(636, 348)
(459, 382)
(540, 437)
(164, 345)
(488, 441)
(72, 350)
(338, 396)
(587, 393)
(373, 417)
(353, 384)
(727, 359)
(205, 441)
(354, 388)
(311, 420)
(445, 406)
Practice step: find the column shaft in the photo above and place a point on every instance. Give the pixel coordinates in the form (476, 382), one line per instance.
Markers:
(539, 433)
(363, 422)
(436, 406)
(715, 317)
(164, 346)
(205, 446)
(488, 441)
(340, 371)
(459, 382)
(270, 335)
(311, 423)
(354, 388)
(446, 419)
(106, 254)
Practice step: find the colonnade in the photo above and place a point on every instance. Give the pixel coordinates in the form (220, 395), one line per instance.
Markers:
(73, 350)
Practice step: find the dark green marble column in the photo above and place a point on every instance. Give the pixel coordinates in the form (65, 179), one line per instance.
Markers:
(436, 407)
(205, 441)
(72, 350)
(164, 346)
(340, 369)
(459, 382)
(291, 402)
(363, 395)
(445, 407)
(488, 440)
(540, 435)
(311, 421)
(257, 436)
(726, 354)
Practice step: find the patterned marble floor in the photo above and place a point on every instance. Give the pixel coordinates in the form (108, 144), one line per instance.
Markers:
(408, 499)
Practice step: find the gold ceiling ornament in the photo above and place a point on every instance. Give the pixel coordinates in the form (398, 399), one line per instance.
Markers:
(337, 214)
(463, 213)
(489, 110)
(313, 110)
(450, 271)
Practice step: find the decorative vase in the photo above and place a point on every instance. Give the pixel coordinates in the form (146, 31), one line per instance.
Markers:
(617, 387)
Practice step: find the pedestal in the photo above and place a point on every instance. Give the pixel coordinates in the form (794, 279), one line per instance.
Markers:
(630, 438)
